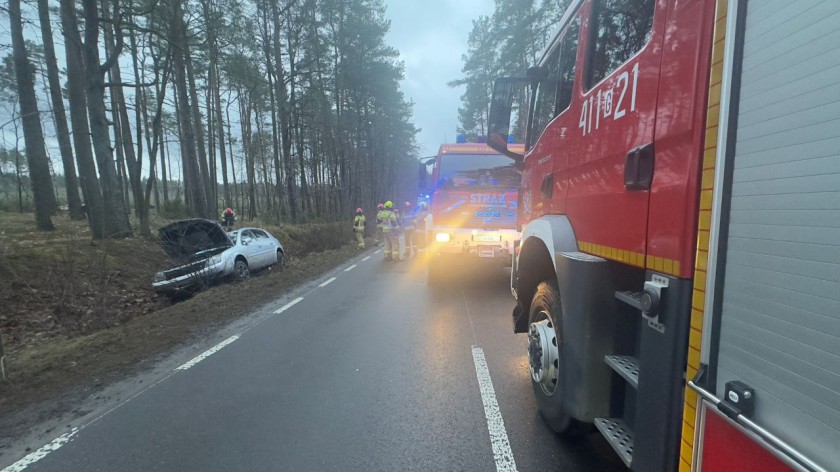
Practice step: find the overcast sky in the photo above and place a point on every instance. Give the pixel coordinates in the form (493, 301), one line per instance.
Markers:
(431, 36)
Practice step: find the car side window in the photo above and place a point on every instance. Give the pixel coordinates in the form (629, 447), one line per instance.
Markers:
(246, 236)
(260, 234)
(620, 29)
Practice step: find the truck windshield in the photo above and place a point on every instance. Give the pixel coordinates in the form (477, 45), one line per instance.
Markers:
(478, 170)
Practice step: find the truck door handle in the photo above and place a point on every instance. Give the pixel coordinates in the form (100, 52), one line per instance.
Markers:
(638, 168)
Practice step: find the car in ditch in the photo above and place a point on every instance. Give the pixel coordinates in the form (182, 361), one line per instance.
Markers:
(202, 253)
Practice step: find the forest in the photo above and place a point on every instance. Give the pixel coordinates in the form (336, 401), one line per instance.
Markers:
(286, 110)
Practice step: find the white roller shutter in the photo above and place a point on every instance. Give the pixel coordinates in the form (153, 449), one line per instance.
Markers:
(780, 318)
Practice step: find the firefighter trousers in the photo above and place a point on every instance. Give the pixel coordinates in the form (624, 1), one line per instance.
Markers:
(360, 238)
(392, 245)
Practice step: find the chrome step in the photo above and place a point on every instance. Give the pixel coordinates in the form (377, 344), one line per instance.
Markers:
(631, 298)
(619, 436)
(626, 366)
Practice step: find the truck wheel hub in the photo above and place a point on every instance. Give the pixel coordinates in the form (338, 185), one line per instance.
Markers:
(543, 354)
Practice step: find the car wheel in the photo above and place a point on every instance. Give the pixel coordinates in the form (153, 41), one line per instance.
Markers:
(548, 362)
(240, 269)
(281, 259)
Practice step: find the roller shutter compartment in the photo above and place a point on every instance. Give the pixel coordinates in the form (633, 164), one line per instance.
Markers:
(780, 311)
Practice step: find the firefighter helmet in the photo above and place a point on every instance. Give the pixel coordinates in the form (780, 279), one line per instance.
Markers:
(380, 206)
(358, 211)
(228, 211)
(389, 204)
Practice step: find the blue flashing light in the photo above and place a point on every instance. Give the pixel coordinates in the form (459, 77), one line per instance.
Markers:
(511, 139)
(460, 139)
(481, 139)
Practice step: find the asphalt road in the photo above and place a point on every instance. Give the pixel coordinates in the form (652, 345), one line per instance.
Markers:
(373, 370)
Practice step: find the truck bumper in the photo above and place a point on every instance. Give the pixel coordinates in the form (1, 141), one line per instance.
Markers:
(492, 246)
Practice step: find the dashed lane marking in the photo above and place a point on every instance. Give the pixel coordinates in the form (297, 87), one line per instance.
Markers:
(350, 268)
(288, 305)
(365, 258)
(207, 353)
(42, 452)
(327, 282)
(378, 251)
(495, 424)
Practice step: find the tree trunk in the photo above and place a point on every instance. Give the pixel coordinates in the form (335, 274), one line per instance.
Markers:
(196, 195)
(283, 114)
(220, 132)
(94, 205)
(33, 136)
(74, 201)
(116, 217)
(198, 129)
(122, 122)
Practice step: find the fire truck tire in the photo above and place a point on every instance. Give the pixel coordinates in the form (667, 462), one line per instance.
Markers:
(545, 346)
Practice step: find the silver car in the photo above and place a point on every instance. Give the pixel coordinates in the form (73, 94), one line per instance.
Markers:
(202, 252)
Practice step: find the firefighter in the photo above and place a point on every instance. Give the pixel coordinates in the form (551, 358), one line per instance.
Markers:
(377, 238)
(390, 231)
(408, 223)
(228, 218)
(359, 224)
(420, 236)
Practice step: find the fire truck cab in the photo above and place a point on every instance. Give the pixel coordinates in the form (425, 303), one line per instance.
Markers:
(678, 274)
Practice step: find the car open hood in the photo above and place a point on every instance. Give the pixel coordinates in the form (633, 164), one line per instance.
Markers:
(182, 239)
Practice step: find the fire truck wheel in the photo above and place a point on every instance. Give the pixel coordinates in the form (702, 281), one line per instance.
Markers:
(547, 362)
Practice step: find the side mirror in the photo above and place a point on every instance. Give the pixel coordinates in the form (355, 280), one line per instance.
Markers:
(501, 106)
(423, 173)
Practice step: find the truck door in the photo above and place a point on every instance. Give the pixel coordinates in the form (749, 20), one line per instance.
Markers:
(610, 166)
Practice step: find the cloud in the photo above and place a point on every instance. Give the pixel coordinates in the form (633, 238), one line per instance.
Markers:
(431, 36)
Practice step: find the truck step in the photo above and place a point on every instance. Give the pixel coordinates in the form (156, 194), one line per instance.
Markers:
(625, 366)
(619, 435)
(630, 297)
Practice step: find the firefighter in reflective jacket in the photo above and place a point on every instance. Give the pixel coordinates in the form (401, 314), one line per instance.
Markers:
(390, 230)
(359, 224)
(407, 222)
(378, 236)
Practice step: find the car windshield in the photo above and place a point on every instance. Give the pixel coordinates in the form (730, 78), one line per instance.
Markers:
(478, 170)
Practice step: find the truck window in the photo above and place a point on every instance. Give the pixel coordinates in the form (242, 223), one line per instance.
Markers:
(545, 102)
(568, 58)
(621, 28)
(477, 170)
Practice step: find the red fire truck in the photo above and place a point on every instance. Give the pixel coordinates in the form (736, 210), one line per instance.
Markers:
(473, 206)
(678, 274)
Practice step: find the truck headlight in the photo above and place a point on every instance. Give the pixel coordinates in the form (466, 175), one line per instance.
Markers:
(443, 237)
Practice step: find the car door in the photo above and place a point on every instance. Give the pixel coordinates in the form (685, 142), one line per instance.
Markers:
(249, 246)
(265, 248)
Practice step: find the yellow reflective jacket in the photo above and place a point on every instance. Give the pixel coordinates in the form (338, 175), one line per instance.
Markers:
(359, 223)
(388, 221)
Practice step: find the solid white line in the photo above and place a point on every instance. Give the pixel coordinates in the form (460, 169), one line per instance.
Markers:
(42, 452)
(498, 436)
(365, 258)
(208, 353)
(378, 251)
(327, 282)
(288, 305)
(350, 268)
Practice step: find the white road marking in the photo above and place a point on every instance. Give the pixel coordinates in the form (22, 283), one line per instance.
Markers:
(378, 251)
(327, 282)
(288, 305)
(495, 424)
(350, 268)
(208, 353)
(42, 452)
(365, 258)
